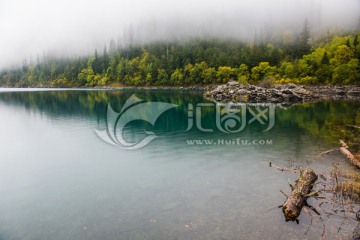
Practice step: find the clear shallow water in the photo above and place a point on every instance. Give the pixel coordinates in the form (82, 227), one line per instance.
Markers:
(60, 181)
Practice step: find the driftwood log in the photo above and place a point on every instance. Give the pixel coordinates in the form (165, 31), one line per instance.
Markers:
(299, 194)
(345, 151)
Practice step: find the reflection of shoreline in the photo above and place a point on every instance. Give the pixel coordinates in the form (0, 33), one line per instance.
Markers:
(315, 118)
(139, 88)
(92, 104)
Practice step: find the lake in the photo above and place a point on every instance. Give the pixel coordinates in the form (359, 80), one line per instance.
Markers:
(73, 169)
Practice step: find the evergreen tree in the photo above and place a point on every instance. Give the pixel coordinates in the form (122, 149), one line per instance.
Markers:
(97, 63)
(325, 60)
(105, 60)
(112, 47)
(304, 45)
(197, 62)
(348, 42)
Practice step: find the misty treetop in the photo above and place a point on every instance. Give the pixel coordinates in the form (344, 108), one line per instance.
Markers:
(330, 60)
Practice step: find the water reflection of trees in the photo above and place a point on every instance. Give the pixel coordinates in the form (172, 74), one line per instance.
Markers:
(324, 119)
(327, 120)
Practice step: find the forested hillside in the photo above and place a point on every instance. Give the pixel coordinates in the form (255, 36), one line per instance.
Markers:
(328, 59)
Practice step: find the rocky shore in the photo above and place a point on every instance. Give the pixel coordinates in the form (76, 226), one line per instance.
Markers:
(287, 93)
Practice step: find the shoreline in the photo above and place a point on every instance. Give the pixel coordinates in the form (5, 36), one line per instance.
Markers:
(187, 88)
(280, 93)
(235, 92)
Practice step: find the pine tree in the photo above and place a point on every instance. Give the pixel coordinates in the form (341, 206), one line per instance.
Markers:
(356, 41)
(96, 65)
(112, 47)
(304, 39)
(325, 60)
(105, 60)
(303, 42)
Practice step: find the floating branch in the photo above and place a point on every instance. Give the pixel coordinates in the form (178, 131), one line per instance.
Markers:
(328, 151)
(282, 169)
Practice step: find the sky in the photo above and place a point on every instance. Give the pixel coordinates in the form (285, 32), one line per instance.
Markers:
(75, 27)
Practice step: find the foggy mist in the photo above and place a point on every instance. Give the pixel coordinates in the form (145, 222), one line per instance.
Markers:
(75, 27)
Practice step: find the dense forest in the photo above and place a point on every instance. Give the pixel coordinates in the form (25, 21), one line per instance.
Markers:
(303, 59)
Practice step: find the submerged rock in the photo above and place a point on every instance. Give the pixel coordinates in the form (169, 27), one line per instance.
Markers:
(171, 205)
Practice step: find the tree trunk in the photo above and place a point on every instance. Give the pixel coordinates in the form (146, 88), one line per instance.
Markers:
(344, 150)
(300, 192)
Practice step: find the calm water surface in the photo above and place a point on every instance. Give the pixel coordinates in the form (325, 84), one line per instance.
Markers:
(59, 180)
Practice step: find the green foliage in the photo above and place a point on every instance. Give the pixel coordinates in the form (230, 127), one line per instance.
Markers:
(177, 78)
(324, 73)
(243, 74)
(334, 61)
(267, 82)
(325, 60)
(347, 73)
(209, 75)
(224, 74)
(308, 80)
(343, 54)
(61, 82)
(287, 70)
(354, 72)
(262, 70)
(163, 77)
(356, 40)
